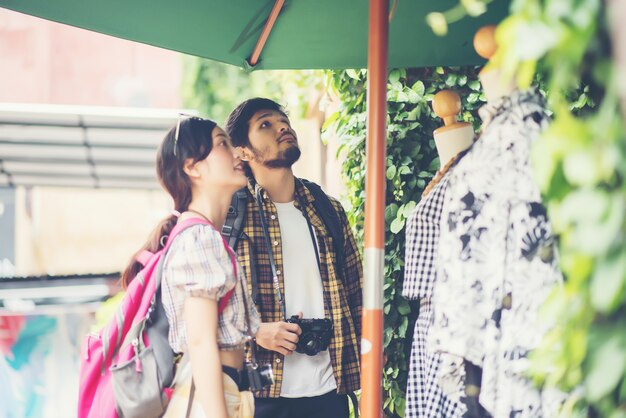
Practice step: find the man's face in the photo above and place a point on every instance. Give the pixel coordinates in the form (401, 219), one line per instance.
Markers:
(273, 143)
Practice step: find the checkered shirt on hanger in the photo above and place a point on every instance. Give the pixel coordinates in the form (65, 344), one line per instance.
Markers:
(424, 396)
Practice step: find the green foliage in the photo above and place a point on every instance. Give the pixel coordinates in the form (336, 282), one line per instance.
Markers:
(411, 163)
(215, 89)
(439, 21)
(580, 165)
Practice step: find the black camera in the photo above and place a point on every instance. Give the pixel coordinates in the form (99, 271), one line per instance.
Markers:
(259, 376)
(315, 335)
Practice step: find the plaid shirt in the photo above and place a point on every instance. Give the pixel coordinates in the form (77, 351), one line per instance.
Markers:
(342, 296)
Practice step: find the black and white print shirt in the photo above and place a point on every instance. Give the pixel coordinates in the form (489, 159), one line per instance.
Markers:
(496, 263)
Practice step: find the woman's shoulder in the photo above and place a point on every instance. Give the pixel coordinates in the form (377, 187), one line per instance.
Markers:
(198, 242)
(200, 233)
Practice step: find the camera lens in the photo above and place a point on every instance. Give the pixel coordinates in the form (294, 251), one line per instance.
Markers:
(267, 375)
(310, 344)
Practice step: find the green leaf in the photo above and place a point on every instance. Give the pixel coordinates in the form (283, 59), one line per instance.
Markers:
(394, 76)
(418, 87)
(391, 172)
(330, 120)
(403, 307)
(607, 285)
(353, 74)
(581, 168)
(403, 325)
(404, 169)
(397, 225)
(473, 98)
(607, 367)
(407, 208)
(474, 85)
(437, 22)
(474, 7)
(451, 80)
(391, 212)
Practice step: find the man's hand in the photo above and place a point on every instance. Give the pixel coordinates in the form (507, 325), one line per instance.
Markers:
(278, 336)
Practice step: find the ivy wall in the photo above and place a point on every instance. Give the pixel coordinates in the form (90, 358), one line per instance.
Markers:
(411, 163)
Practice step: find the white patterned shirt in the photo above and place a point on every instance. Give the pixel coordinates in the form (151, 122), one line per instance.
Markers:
(497, 263)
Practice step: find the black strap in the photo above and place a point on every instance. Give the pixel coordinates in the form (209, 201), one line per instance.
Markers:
(355, 404)
(312, 235)
(192, 392)
(232, 229)
(268, 244)
(328, 213)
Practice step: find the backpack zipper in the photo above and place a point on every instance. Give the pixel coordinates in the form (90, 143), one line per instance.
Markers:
(135, 344)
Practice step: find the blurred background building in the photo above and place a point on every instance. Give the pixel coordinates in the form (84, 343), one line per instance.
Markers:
(81, 115)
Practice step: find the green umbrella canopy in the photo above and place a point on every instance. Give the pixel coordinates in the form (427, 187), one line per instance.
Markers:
(308, 34)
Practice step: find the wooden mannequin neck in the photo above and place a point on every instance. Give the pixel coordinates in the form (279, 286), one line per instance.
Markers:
(450, 140)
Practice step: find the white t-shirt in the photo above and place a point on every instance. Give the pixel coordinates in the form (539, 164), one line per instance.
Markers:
(303, 375)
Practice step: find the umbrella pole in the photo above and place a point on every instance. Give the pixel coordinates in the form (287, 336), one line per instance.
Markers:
(374, 255)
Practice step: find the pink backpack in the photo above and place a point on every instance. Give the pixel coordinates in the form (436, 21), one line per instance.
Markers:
(127, 368)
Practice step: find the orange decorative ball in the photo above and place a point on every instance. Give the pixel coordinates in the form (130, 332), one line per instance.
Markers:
(485, 41)
(446, 104)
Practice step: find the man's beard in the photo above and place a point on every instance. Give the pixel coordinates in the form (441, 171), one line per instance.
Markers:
(284, 159)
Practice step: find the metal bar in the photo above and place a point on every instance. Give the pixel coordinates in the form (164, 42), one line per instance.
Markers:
(374, 256)
(269, 24)
(161, 128)
(116, 163)
(36, 143)
(72, 176)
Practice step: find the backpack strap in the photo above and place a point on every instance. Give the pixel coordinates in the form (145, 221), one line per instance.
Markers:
(143, 257)
(232, 231)
(327, 212)
(224, 300)
(236, 217)
(180, 227)
(355, 404)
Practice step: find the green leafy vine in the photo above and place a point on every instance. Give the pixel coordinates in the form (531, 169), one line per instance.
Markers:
(411, 163)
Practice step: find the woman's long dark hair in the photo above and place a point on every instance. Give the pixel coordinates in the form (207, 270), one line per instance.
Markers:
(195, 141)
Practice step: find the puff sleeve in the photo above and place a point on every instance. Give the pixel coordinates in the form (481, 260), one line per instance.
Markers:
(199, 265)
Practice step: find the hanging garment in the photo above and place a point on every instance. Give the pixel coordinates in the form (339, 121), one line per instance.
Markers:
(424, 396)
(496, 263)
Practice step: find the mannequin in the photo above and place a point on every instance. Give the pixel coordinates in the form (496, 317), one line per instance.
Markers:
(494, 85)
(454, 136)
(491, 280)
(425, 398)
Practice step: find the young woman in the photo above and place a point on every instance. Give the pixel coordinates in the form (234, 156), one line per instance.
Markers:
(197, 167)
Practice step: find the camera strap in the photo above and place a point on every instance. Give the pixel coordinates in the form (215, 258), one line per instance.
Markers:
(266, 235)
(268, 244)
(311, 232)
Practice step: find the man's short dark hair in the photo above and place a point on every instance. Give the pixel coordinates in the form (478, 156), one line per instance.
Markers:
(238, 121)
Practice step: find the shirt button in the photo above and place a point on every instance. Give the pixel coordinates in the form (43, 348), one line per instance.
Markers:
(277, 360)
(278, 272)
(273, 217)
(275, 243)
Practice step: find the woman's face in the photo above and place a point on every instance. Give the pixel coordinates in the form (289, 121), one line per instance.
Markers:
(222, 168)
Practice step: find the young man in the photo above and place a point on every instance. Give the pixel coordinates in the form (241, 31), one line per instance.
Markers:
(305, 258)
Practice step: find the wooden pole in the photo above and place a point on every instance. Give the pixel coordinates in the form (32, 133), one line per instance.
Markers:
(374, 256)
